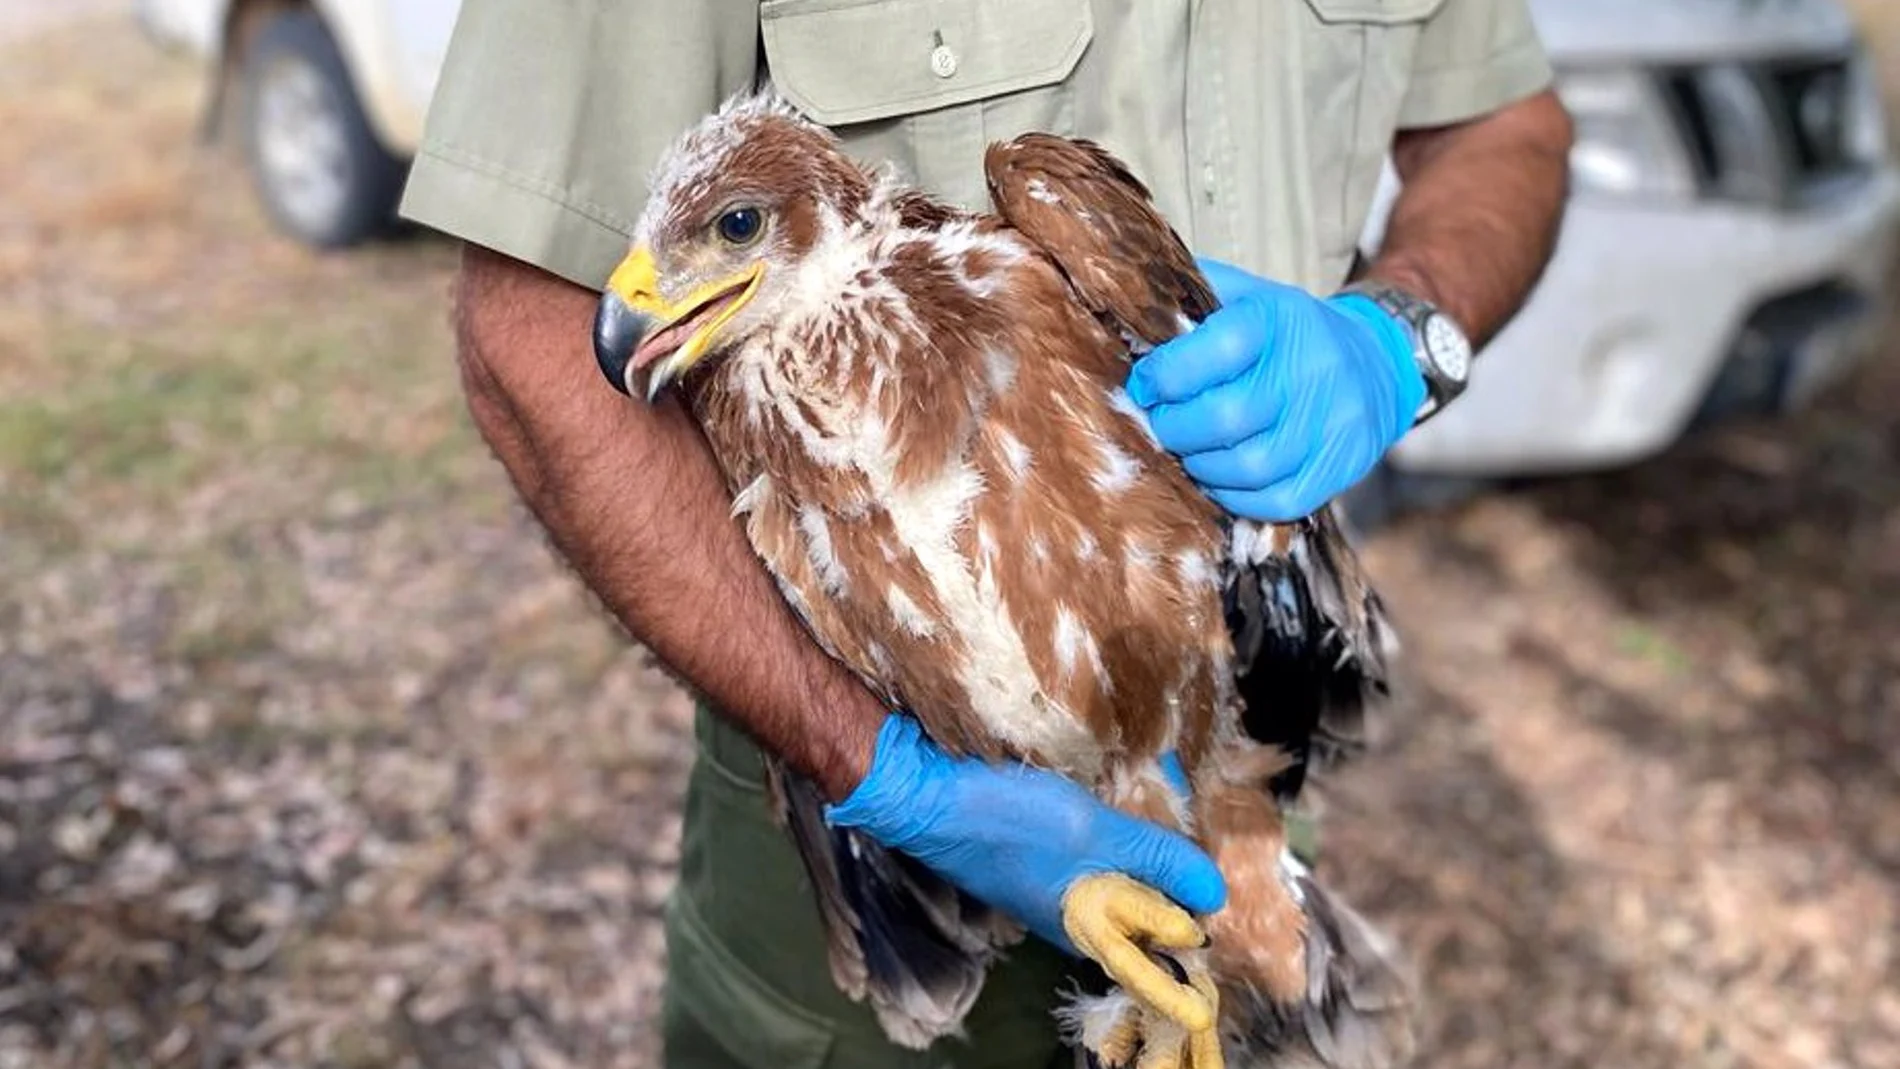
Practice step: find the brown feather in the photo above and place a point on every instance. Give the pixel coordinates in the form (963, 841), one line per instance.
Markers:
(932, 453)
(1076, 200)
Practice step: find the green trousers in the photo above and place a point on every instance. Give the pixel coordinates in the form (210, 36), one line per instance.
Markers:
(748, 986)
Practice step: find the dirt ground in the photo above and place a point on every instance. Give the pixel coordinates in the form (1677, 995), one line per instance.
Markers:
(310, 754)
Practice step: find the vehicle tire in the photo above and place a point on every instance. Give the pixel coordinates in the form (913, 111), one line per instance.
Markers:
(322, 174)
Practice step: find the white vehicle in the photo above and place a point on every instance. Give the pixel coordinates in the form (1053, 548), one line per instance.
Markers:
(1728, 247)
(329, 98)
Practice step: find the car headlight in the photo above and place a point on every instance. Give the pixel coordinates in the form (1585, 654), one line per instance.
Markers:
(1868, 136)
(1627, 144)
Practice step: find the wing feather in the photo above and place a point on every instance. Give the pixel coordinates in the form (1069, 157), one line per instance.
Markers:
(900, 938)
(1097, 221)
(1311, 635)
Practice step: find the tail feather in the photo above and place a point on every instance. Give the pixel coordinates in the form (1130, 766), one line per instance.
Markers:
(1360, 993)
(1304, 979)
(910, 944)
(1311, 642)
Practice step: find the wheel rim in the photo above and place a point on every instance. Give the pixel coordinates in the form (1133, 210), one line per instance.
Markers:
(303, 144)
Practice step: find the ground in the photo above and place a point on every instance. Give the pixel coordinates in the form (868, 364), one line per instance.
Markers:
(312, 755)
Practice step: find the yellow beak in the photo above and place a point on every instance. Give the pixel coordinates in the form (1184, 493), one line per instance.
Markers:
(636, 330)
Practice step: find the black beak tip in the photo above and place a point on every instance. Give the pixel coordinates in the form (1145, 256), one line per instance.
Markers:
(617, 333)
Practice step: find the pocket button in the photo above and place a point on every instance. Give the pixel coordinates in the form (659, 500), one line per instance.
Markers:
(943, 61)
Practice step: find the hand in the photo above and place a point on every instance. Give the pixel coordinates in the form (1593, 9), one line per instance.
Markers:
(1280, 401)
(1014, 836)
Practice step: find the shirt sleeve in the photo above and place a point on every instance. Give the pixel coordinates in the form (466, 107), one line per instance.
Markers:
(1475, 56)
(549, 116)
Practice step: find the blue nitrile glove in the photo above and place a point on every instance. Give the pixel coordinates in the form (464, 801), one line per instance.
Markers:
(1014, 836)
(1280, 401)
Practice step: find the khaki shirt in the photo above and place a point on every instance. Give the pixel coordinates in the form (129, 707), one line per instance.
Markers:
(1260, 125)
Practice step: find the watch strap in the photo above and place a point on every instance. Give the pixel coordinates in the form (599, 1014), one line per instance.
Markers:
(1414, 314)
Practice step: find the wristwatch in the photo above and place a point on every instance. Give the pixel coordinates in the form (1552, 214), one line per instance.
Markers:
(1441, 348)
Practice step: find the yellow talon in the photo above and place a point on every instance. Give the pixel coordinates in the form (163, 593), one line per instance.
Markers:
(1204, 1046)
(1137, 1036)
(1105, 915)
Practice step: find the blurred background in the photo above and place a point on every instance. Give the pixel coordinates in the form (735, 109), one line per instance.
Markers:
(311, 755)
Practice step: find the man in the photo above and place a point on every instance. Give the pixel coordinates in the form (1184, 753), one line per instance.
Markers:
(1261, 126)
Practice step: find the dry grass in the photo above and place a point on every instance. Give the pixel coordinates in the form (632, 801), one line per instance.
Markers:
(311, 756)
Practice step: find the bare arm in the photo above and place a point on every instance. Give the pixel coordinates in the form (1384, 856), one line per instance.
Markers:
(1477, 218)
(635, 502)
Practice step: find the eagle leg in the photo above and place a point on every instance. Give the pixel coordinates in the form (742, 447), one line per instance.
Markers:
(1113, 919)
(1118, 1032)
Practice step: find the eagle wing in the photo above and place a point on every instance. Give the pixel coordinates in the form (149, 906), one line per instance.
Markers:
(1096, 221)
(1311, 636)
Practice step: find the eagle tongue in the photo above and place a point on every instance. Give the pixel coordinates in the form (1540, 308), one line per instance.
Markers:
(665, 342)
(662, 343)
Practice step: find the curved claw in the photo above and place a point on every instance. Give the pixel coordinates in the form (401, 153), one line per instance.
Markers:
(1204, 1046)
(1128, 1034)
(1105, 915)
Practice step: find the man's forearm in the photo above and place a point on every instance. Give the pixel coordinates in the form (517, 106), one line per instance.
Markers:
(634, 501)
(1478, 216)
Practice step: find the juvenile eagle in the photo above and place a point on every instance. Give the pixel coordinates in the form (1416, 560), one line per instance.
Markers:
(919, 414)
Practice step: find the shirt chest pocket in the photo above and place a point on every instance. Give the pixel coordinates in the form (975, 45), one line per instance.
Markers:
(1357, 63)
(927, 84)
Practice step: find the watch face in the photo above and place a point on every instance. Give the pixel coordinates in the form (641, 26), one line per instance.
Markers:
(1448, 348)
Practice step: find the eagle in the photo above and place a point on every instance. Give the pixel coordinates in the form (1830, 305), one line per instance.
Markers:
(919, 413)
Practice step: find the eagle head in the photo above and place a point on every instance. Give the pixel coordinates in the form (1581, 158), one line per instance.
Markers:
(733, 210)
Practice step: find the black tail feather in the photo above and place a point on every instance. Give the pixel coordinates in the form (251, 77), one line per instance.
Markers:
(1310, 644)
(914, 947)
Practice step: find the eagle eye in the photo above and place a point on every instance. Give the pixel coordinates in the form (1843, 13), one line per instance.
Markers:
(740, 226)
